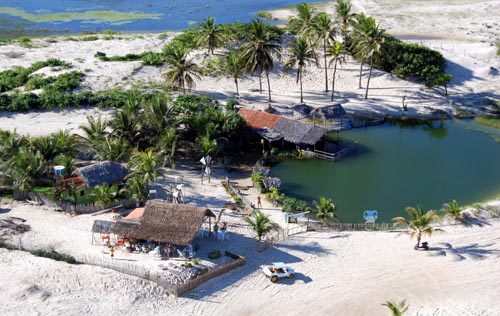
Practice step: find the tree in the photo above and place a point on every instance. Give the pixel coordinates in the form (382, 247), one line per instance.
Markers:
(261, 224)
(259, 51)
(126, 126)
(360, 23)
(419, 222)
(95, 132)
(440, 80)
(301, 54)
(161, 115)
(181, 71)
(67, 161)
(136, 188)
(323, 31)
(396, 309)
(234, 66)
(325, 209)
(344, 17)
(304, 20)
(337, 53)
(146, 164)
(453, 209)
(10, 144)
(25, 168)
(112, 149)
(210, 35)
(368, 41)
(105, 194)
(166, 145)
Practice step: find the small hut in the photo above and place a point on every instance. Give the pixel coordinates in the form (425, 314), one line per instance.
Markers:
(101, 227)
(163, 222)
(106, 172)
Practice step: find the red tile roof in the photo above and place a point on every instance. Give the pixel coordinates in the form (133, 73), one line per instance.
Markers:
(258, 119)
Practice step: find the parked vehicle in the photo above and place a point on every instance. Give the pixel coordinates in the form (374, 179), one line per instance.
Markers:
(278, 270)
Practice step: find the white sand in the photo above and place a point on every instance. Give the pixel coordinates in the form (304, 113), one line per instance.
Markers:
(350, 273)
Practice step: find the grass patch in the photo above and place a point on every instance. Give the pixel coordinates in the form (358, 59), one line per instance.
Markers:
(491, 121)
(265, 15)
(54, 255)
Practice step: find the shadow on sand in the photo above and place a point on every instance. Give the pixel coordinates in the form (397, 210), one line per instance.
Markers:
(473, 251)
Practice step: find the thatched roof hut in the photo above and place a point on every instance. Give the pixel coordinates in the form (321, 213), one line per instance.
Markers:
(298, 132)
(125, 228)
(165, 222)
(106, 172)
(329, 112)
(102, 227)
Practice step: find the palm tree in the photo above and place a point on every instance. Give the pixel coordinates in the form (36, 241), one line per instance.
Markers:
(302, 54)
(45, 146)
(126, 127)
(105, 194)
(234, 66)
(67, 161)
(369, 42)
(10, 144)
(260, 50)
(210, 35)
(323, 31)
(136, 188)
(304, 20)
(147, 164)
(337, 53)
(160, 114)
(112, 149)
(166, 144)
(453, 209)
(25, 168)
(261, 224)
(419, 222)
(95, 132)
(65, 142)
(396, 309)
(325, 209)
(181, 71)
(360, 24)
(344, 17)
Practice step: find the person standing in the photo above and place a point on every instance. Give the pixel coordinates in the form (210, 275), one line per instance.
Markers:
(112, 251)
(170, 250)
(259, 203)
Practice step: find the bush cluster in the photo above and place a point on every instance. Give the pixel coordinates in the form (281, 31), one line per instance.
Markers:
(406, 60)
(54, 255)
(17, 77)
(147, 58)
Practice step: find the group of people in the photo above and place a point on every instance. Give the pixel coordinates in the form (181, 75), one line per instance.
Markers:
(222, 228)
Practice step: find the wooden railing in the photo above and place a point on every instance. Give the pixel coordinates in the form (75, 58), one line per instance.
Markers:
(337, 155)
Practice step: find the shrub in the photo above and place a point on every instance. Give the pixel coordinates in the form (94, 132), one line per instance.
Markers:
(293, 205)
(265, 15)
(54, 255)
(212, 66)
(406, 60)
(89, 38)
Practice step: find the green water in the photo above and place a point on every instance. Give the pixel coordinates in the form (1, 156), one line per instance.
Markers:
(396, 167)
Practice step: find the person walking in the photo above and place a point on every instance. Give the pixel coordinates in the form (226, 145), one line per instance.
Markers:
(112, 251)
(259, 203)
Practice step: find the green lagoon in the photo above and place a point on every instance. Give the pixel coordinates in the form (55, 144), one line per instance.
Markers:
(395, 167)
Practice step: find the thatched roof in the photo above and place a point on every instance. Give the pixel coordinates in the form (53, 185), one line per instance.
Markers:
(268, 134)
(170, 223)
(108, 172)
(258, 119)
(265, 171)
(125, 228)
(272, 183)
(329, 112)
(298, 132)
(103, 227)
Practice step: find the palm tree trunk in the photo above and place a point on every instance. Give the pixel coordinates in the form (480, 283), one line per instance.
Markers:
(237, 90)
(445, 89)
(369, 76)
(326, 69)
(361, 72)
(419, 237)
(268, 87)
(260, 82)
(333, 79)
(300, 79)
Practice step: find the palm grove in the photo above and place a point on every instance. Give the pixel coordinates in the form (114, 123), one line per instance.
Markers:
(149, 130)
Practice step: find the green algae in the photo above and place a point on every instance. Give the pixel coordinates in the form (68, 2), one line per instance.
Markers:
(105, 16)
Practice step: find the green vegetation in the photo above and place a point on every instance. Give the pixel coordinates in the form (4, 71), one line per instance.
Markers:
(325, 210)
(17, 77)
(440, 80)
(397, 309)
(54, 255)
(265, 15)
(107, 16)
(148, 58)
(261, 224)
(406, 60)
(490, 120)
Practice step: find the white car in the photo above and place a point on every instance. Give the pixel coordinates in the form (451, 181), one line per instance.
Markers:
(278, 270)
